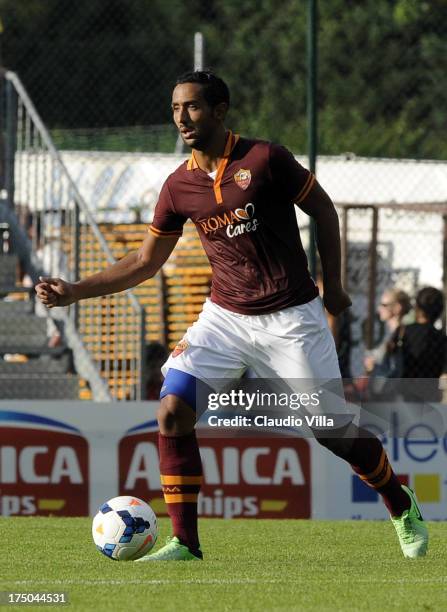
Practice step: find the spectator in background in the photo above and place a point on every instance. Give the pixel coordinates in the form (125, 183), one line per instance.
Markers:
(423, 348)
(156, 355)
(394, 305)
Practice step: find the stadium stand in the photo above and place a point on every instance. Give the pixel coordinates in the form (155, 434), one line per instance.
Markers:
(172, 300)
(56, 234)
(8, 267)
(29, 367)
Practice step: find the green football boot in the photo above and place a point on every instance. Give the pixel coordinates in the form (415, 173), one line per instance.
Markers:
(173, 550)
(411, 529)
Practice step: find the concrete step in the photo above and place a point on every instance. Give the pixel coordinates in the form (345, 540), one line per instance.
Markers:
(39, 386)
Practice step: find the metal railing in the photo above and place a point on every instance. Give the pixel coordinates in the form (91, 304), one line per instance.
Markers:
(66, 242)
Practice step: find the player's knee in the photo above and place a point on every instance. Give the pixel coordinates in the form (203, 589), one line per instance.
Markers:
(340, 442)
(340, 447)
(175, 417)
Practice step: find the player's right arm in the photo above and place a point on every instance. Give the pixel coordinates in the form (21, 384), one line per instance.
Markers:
(128, 272)
(299, 186)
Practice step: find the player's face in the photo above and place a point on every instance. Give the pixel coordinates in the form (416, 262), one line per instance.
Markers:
(195, 119)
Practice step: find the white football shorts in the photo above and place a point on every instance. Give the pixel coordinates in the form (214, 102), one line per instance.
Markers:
(294, 344)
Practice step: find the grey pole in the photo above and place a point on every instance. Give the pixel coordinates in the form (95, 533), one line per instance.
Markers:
(198, 65)
(312, 114)
(198, 51)
(10, 142)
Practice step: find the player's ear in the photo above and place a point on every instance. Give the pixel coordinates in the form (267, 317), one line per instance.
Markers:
(220, 111)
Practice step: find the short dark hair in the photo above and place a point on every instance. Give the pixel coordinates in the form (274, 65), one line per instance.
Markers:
(431, 302)
(215, 90)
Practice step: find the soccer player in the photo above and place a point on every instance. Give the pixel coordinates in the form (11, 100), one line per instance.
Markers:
(264, 313)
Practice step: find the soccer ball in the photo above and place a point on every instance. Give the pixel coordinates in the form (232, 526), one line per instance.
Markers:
(125, 528)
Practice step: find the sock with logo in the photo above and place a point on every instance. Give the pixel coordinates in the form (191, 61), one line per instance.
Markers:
(181, 478)
(369, 461)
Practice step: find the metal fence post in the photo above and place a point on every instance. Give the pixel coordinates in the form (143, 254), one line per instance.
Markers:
(163, 308)
(312, 115)
(372, 278)
(344, 248)
(141, 392)
(76, 230)
(10, 141)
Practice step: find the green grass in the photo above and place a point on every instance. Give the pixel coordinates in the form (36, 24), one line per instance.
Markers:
(250, 565)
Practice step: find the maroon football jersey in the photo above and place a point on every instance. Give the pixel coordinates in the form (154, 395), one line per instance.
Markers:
(247, 224)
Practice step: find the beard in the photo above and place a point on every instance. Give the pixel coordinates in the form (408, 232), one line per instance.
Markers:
(200, 140)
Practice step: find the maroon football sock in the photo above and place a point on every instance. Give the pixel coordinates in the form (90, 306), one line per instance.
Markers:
(369, 460)
(181, 477)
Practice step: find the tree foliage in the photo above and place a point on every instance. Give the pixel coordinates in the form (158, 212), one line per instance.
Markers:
(382, 66)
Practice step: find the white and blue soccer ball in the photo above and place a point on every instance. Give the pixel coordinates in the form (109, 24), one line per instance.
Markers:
(125, 528)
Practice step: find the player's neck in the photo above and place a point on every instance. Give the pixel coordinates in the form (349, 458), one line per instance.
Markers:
(208, 159)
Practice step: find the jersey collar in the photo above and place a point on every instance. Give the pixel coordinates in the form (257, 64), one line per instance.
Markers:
(231, 142)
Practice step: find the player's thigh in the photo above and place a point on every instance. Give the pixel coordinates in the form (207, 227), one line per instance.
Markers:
(298, 344)
(298, 356)
(212, 348)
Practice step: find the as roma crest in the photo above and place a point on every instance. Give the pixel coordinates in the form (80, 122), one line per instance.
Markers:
(181, 346)
(243, 178)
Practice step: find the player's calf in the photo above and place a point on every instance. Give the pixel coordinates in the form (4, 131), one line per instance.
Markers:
(175, 417)
(180, 466)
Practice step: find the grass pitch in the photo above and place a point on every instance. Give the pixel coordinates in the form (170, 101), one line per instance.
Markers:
(249, 565)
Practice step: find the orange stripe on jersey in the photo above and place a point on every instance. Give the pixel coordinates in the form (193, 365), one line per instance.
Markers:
(306, 189)
(180, 480)
(192, 162)
(231, 142)
(161, 233)
(181, 497)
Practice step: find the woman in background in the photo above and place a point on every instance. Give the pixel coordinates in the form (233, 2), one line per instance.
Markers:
(394, 305)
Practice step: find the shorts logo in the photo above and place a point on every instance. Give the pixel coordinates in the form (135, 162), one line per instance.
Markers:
(180, 348)
(243, 178)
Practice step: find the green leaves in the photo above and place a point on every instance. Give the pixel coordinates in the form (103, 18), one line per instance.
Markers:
(382, 66)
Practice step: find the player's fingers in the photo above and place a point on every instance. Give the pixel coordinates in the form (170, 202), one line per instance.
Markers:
(46, 288)
(49, 280)
(46, 296)
(41, 287)
(46, 299)
(337, 308)
(44, 291)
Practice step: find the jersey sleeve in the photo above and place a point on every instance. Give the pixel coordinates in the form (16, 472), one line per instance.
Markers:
(289, 177)
(166, 222)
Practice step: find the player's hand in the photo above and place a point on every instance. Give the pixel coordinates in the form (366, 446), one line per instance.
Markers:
(55, 292)
(336, 300)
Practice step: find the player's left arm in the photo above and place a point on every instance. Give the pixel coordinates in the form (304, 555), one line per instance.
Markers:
(318, 205)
